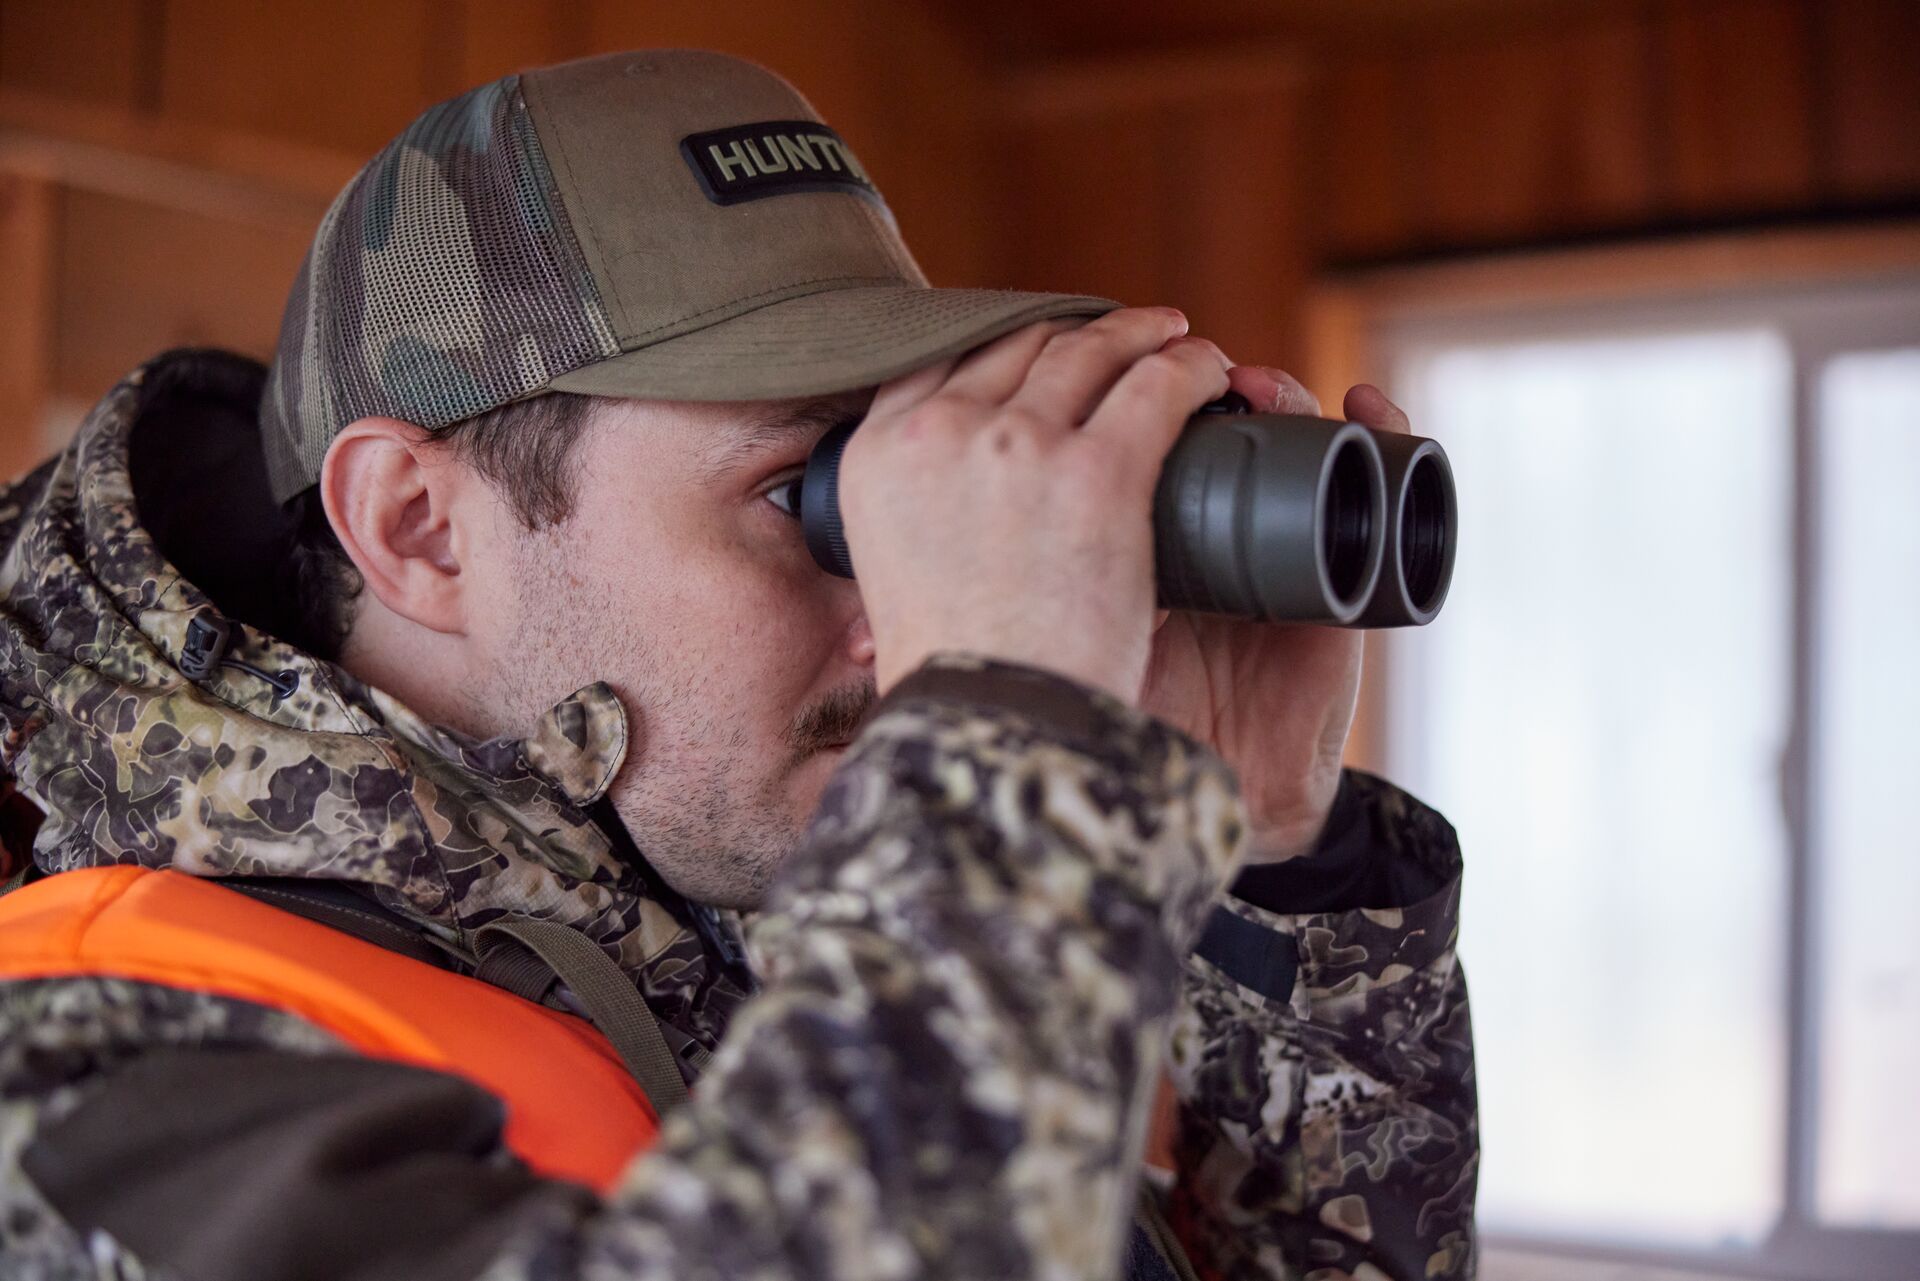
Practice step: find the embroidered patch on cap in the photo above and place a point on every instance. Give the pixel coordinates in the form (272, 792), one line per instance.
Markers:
(750, 162)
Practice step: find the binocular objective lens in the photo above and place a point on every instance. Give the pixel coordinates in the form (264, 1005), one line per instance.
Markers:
(1423, 534)
(1347, 535)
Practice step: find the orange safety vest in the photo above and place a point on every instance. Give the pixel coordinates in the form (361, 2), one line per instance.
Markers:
(573, 1111)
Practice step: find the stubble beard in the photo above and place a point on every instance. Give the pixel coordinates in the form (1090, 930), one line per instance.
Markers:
(701, 804)
(716, 828)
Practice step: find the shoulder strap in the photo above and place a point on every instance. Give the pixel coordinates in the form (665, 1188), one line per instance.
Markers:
(525, 956)
(344, 909)
(1151, 1229)
(15, 881)
(572, 1108)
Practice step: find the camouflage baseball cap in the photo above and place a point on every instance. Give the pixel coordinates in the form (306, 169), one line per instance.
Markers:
(665, 224)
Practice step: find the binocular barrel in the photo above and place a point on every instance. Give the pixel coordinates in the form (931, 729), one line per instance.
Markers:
(1422, 533)
(1275, 517)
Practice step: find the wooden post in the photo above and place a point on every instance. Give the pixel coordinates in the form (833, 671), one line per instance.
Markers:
(27, 232)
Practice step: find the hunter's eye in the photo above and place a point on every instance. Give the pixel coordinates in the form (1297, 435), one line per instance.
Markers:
(786, 496)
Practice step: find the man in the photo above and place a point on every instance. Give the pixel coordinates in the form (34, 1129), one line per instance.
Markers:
(543, 392)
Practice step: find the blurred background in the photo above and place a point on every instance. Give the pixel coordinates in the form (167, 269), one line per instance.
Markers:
(1650, 269)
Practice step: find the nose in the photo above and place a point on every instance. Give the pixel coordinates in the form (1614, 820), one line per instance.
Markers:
(860, 640)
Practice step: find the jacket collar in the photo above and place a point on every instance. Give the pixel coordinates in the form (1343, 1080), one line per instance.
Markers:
(271, 762)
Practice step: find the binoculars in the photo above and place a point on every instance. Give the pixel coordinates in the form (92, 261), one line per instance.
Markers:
(1276, 517)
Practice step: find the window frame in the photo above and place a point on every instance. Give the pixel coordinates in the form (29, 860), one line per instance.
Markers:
(1830, 293)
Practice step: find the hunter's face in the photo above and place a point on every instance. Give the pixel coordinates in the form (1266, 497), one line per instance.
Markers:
(682, 580)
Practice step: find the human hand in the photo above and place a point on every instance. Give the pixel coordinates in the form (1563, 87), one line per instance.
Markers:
(1000, 504)
(1276, 700)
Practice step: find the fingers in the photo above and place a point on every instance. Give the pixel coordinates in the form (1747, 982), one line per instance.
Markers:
(1074, 370)
(1369, 406)
(903, 393)
(994, 372)
(1273, 391)
(1075, 360)
(1294, 398)
(1261, 389)
(1148, 407)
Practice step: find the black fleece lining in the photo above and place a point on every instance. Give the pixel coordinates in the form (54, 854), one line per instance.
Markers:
(253, 1165)
(200, 486)
(1351, 868)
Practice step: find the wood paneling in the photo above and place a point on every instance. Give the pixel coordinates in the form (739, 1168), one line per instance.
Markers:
(133, 279)
(240, 176)
(1640, 114)
(347, 74)
(1739, 105)
(923, 92)
(1870, 72)
(1237, 251)
(1174, 179)
(28, 210)
(1545, 132)
(162, 161)
(1489, 163)
(1365, 201)
(498, 37)
(1219, 176)
(1085, 191)
(1607, 123)
(92, 50)
(1040, 31)
(1343, 308)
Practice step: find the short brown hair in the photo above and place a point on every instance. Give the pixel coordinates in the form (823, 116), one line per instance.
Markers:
(527, 450)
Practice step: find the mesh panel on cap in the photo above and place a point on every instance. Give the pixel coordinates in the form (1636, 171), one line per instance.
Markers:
(444, 281)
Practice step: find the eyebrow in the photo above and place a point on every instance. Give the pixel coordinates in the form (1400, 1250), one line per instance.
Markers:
(765, 429)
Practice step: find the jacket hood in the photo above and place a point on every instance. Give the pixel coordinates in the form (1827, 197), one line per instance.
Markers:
(270, 761)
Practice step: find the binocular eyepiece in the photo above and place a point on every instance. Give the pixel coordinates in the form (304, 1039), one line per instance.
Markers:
(1275, 517)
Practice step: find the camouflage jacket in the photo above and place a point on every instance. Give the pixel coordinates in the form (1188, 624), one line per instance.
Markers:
(1010, 913)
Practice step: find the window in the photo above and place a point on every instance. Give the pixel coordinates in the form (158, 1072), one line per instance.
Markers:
(1672, 707)
(1867, 762)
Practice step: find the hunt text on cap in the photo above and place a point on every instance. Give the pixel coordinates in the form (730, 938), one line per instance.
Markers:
(773, 158)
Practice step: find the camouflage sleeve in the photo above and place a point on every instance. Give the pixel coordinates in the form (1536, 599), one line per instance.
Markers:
(1323, 1063)
(970, 970)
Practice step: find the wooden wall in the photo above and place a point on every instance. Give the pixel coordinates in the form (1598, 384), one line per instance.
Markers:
(1654, 115)
(347, 74)
(1227, 180)
(162, 161)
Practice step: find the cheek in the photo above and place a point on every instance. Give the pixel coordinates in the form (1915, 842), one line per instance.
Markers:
(782, 618)
(759, 626)
(731, 611)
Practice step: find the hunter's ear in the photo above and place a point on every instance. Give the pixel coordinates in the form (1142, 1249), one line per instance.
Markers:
(392, 494)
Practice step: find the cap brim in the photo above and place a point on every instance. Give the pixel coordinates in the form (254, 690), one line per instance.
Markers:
(818, 344)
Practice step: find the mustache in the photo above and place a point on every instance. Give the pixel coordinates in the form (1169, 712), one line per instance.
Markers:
(834, 720)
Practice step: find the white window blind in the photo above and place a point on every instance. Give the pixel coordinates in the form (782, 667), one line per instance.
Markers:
(1601, 710)
(1673, 706)
(1866, 763)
